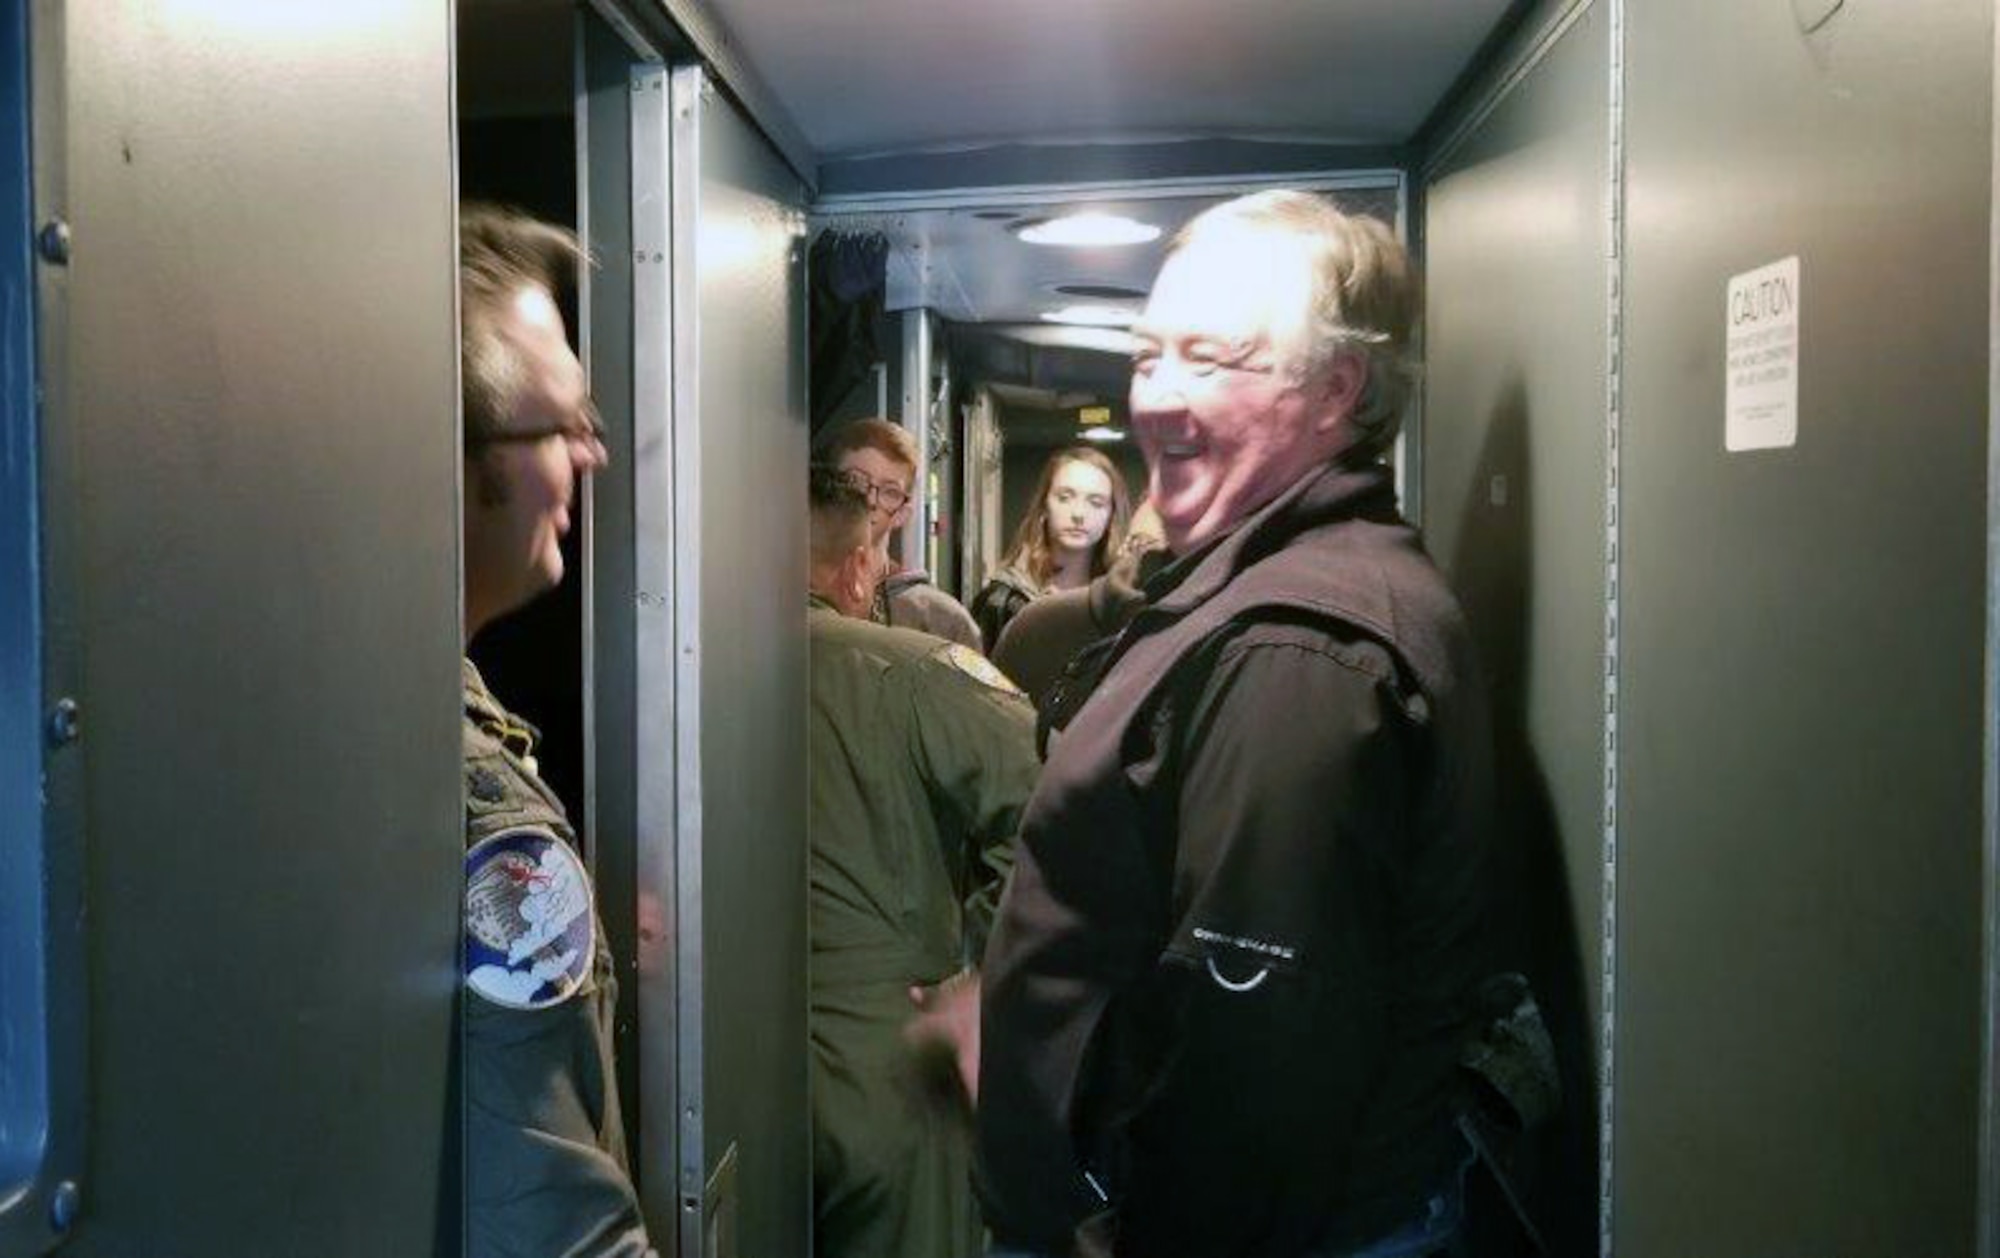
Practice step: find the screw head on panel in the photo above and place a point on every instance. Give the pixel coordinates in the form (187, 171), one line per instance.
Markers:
(65, 722)
(53, 242)
(65, 1206)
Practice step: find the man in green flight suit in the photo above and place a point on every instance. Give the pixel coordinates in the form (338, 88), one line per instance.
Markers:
(545, 1171)
(922, 757)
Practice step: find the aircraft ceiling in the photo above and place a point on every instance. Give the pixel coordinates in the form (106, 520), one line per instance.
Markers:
(865, 77)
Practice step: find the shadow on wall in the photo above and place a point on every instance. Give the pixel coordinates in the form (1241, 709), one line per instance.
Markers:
(1535, 930)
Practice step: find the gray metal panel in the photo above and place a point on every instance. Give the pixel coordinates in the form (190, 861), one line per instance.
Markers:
(740, 435)
(1989, 1098)
(261, 367)
(1800, 864)
(1002, 165)
(685, 89)
(1513, 464)
(44, 995)
(658, 776)
(632, 910)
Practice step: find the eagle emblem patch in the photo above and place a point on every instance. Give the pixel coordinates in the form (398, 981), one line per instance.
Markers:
(530, 934)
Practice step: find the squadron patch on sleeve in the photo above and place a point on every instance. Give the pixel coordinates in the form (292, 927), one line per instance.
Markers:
(530, 934)
(978, 667)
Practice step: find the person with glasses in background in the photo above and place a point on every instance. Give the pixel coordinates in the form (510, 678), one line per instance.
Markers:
(880, 459)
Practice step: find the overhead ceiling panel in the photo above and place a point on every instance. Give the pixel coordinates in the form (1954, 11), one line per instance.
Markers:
(879, 76)
(970, 265)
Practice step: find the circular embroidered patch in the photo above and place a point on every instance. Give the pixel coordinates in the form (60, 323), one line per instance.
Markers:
(978, 667)
(530, 934)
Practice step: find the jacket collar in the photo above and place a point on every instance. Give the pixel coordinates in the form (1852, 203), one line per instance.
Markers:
(897, 582)
(1112, 596)
(484, 711)
(1014, 578)
(1337, 491)
(479, 701)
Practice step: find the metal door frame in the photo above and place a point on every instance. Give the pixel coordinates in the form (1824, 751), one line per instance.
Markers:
(666, 750)
(644, 736)
(665, 467)
(686, 90)
(1989, 1085)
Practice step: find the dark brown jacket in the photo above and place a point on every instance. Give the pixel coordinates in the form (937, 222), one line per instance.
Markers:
(1224, 993)
(1046, 635)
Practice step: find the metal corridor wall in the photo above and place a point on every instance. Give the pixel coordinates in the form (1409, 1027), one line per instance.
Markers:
(738, 451)
(1798, 841)
(253, 489)
(1515, 499)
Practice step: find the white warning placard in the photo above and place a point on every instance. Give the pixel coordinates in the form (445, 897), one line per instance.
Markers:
(1762, 330)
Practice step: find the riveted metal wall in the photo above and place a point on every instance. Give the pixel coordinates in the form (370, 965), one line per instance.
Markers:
(1792, 636)
(740, 433)
(258, 399)
(661, 729)
(1800, 860)
(1513, 470)
(44, 991)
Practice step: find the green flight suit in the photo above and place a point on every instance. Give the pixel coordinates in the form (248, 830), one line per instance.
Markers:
(922, 757)
(545, 1170)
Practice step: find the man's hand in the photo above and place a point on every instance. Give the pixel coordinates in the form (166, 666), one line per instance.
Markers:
(948, 1014)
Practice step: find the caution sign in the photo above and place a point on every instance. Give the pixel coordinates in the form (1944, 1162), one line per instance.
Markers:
(1762, 332)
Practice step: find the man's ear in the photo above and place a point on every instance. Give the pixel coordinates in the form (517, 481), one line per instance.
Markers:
(857, 574)
(1336, 393)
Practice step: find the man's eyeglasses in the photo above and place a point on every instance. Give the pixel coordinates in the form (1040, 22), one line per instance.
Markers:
(587, 427)
(886, 494)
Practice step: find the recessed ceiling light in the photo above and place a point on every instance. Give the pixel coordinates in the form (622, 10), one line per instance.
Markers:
(1094, 316)
(1089, 229)
(1102, 433)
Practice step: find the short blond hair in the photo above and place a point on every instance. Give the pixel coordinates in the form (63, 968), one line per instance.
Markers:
(890, 440)
(501, 252)
(1363, 296)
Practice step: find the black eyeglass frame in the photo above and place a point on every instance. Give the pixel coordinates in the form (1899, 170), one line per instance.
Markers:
(592, 431)
(892, 497)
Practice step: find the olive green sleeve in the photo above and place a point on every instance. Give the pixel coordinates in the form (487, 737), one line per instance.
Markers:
(973, 737)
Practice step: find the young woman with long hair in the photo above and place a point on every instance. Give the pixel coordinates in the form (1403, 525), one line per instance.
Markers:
(1071, 533)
